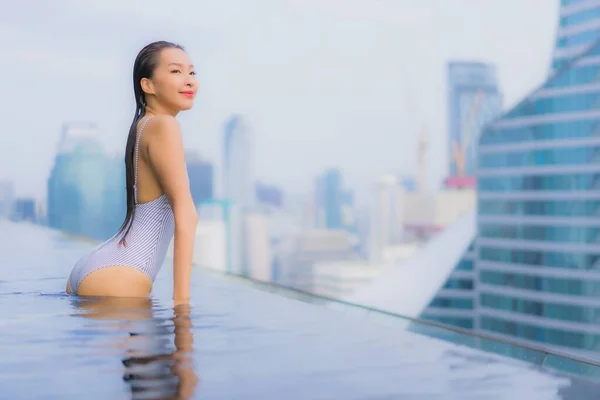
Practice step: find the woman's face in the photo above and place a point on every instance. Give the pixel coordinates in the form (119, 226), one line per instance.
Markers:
(174, 82)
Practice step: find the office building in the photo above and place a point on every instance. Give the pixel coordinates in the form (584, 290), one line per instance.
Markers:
(578, 29)
(24, 210)
(201, 177)
(238, 180)
(473, 100)
(539, 202)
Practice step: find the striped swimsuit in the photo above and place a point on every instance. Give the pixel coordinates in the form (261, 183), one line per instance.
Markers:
(147, 241)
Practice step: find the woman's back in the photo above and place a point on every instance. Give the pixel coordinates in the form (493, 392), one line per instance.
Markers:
(144, 246)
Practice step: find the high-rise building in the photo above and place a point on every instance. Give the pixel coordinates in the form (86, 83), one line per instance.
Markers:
(531, 271)
(238, 181)
(412, 281)
(269, 194)
(7, 198)
(538, 247)
(213, 248)
(454, 303)
(332, 202)
(200, 174)
(220, 221)
(349, 217)
(578, 29)
(78, 184)
(257, 246)
(24, 210)
(473, 100)
(386, 216)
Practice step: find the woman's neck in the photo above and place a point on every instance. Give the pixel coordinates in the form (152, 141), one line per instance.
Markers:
(155, 109)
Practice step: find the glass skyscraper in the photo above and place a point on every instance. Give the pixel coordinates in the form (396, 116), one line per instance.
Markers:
(578, 29)
(454, 303)
(329, 199)
(473, 100)
(86, 188)
(538, 244)
(536, 257)
(238, 181)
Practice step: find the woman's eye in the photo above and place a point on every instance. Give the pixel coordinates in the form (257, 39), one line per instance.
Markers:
(175, 71)
(193, 73)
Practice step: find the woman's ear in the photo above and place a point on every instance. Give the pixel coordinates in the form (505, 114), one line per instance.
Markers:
(147, 86)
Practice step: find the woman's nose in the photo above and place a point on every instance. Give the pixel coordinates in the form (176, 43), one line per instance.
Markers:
(190, 82)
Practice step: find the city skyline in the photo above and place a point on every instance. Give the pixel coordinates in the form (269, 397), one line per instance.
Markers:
(347, 107)
(508, 246)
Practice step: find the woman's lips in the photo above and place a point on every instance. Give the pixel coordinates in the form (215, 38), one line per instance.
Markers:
(189, 94)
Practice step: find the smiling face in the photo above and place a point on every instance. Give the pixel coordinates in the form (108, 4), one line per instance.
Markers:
(173, 83)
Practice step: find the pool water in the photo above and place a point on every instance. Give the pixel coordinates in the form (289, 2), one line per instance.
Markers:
(234, 342)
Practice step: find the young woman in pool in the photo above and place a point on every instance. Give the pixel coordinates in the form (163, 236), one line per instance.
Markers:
(159, 203)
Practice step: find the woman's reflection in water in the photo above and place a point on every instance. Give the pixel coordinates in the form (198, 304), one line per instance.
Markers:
(155, 366)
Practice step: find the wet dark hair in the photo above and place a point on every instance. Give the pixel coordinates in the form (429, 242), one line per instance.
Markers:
(144, 66)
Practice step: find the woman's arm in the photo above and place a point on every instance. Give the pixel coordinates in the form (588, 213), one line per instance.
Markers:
(166, 155)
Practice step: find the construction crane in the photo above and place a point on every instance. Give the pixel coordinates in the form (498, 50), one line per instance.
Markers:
(469, 131)
(423, 141)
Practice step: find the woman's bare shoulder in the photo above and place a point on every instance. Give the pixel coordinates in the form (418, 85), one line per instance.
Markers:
(163, 127)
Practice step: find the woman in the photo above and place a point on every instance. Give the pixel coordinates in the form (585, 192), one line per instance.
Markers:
(159, 203)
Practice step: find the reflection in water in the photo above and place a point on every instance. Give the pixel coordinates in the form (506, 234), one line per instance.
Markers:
(155, 366)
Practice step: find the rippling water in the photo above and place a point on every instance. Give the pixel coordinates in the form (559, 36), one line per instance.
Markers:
(234, 342)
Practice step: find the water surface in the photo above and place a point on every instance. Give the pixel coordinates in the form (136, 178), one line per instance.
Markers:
(234, 342)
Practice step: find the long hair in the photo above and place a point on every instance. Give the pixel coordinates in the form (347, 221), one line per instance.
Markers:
(144, 66)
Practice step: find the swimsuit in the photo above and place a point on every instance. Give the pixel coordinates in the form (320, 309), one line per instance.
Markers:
(147, 241)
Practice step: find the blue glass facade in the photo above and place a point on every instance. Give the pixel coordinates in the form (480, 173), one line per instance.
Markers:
(538, 243)
(578, 29)
(454, 303)
(536, 256)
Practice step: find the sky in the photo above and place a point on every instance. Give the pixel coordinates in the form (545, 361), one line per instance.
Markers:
(322, 83)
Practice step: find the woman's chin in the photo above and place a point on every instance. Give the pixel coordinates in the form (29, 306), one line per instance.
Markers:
(186, 106)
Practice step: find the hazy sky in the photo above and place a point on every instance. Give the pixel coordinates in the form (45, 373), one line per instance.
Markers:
(323, 83)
